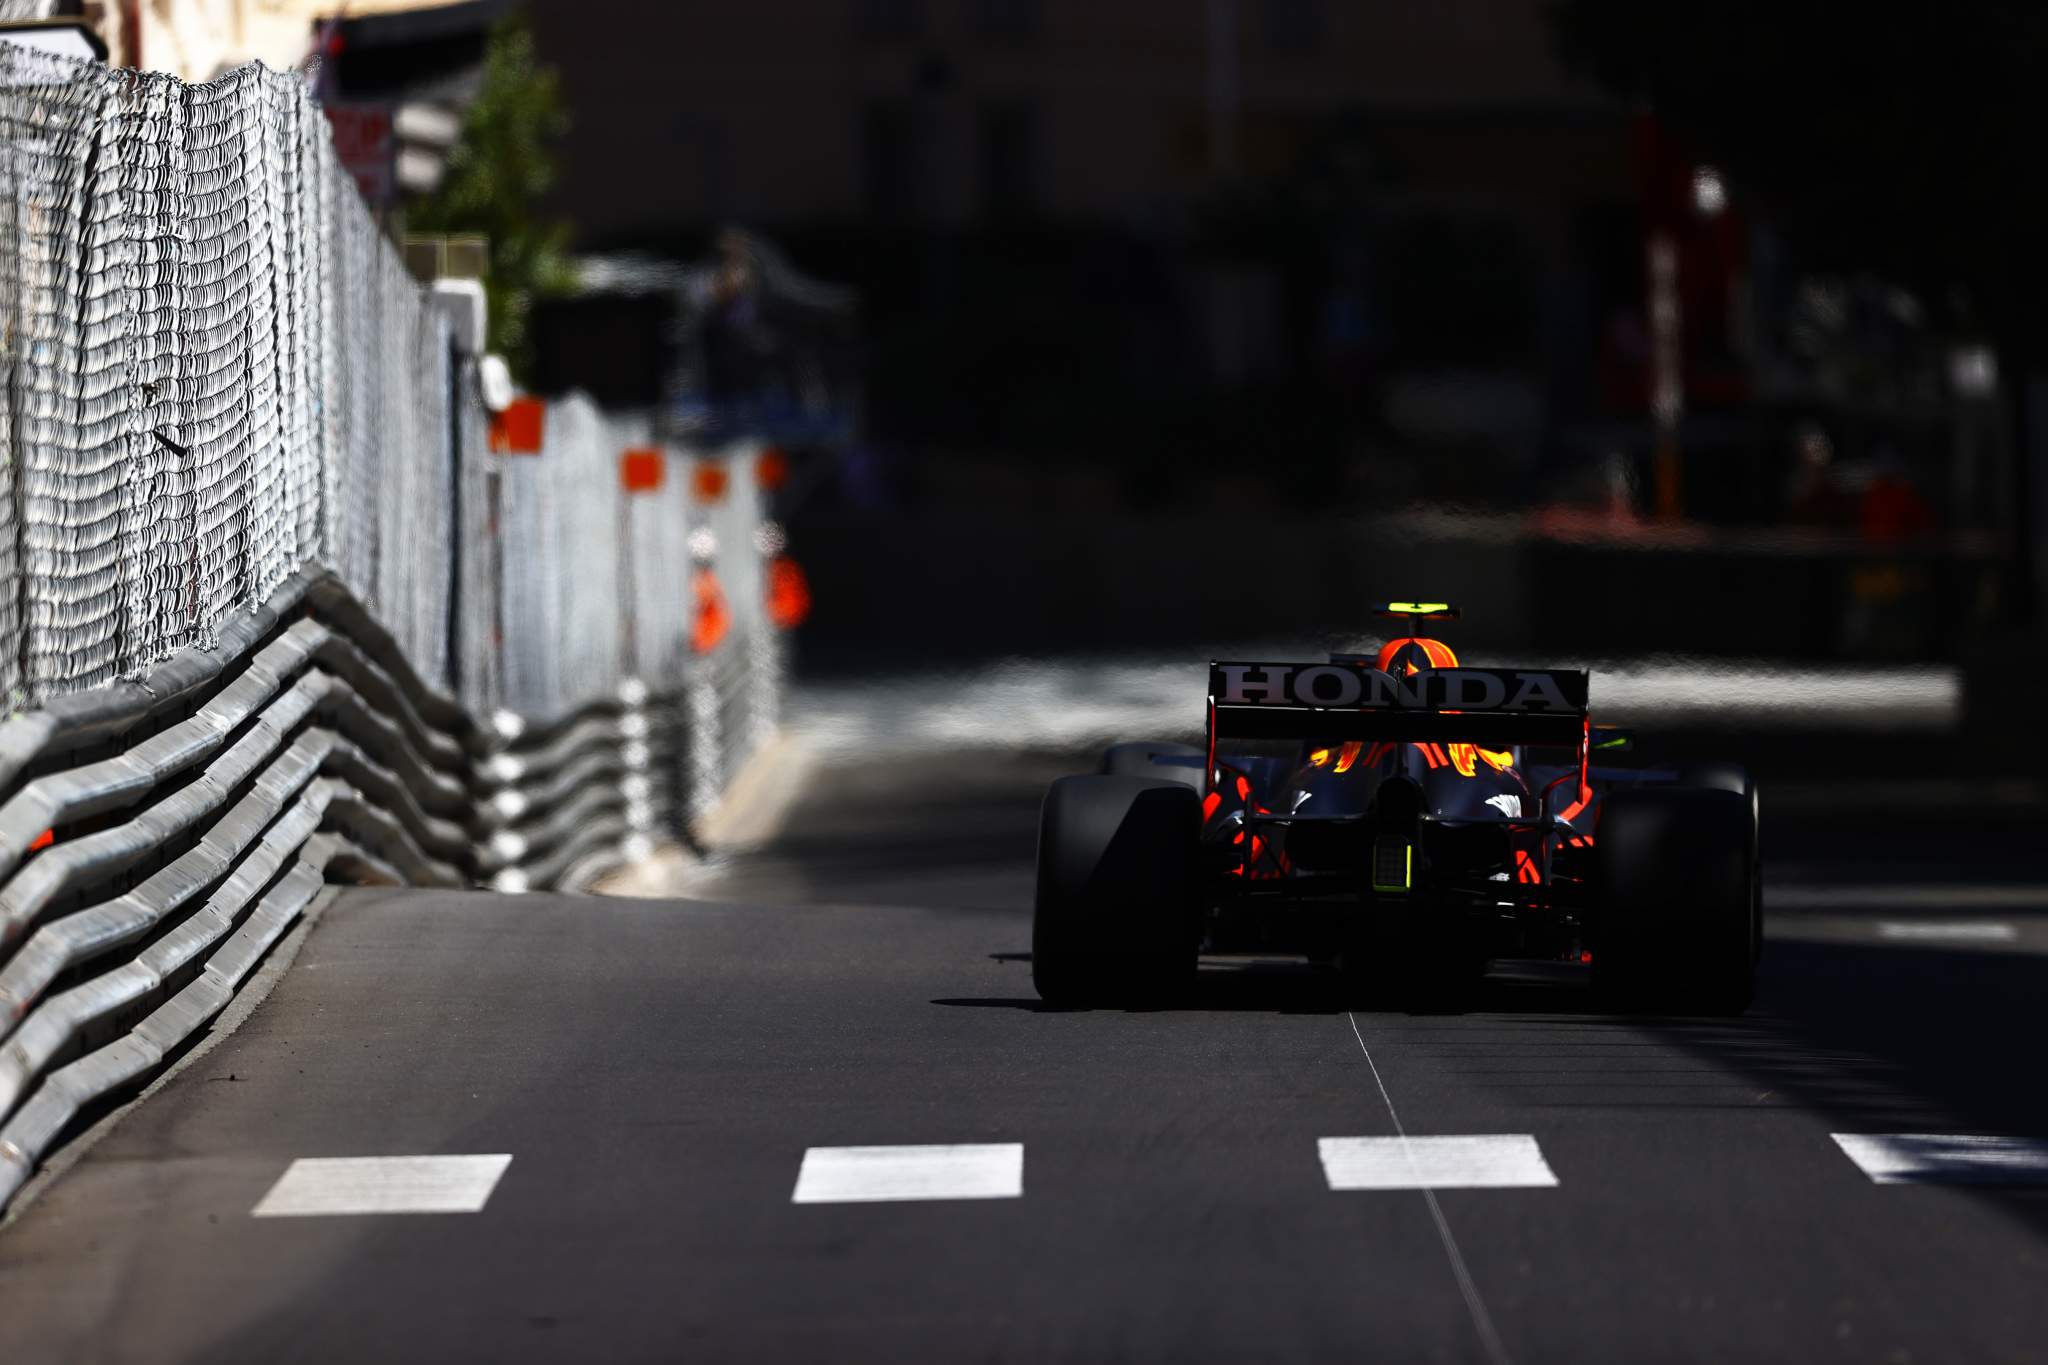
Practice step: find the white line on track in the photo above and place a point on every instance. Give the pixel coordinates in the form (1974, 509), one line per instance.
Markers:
(1946, 1158)
(864, 1175)
(313, 1186)
(1482, 1321)
(1947, 931)
(1933, 896)
(1486, 1161)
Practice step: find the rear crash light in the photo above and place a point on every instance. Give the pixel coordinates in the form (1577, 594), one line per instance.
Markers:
(1393, 866)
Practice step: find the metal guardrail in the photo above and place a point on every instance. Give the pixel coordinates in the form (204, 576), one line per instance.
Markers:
(158, 837)
(482, 645)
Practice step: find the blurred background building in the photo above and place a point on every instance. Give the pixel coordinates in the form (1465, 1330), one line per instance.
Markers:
(1563, 272)
(196, 40)
(1071, 219)
(1361, 249)
(395, 75)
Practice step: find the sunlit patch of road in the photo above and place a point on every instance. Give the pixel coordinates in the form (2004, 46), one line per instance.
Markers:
(1076, 702)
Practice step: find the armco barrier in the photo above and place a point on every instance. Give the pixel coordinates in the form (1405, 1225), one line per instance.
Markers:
(157, 837)
(273, 609)
(159, 834)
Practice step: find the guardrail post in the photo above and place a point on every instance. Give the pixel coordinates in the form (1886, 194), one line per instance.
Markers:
(636, 755)
(503, 771)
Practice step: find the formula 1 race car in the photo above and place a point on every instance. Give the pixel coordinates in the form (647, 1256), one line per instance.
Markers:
(1405, 820)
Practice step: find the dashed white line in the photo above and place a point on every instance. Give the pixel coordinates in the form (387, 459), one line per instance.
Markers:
(864, 1175)
(318, 1186)
(1947, 1158)
(1475, 1306)
(1483, 1161)
(1947, 931)
(1900, 896)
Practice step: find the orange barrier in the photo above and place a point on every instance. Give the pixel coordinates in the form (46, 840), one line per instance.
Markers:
(789, 594)
(641, 469)
(714, 618)
(518, 430)
(708, 481)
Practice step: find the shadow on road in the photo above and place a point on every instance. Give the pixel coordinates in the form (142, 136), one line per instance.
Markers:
(1877, 1038)
(1291, 987)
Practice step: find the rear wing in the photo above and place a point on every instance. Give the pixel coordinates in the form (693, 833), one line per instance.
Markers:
(1348, 700)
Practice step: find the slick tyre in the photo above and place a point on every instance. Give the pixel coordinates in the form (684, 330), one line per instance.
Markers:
(1727, 777)
(1733, 777)
(1675, 927)
(1116, 915)
(1157, 759)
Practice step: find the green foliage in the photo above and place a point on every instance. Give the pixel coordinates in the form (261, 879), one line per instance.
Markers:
(497, 174)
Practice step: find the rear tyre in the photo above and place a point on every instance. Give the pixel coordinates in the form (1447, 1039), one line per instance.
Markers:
(1117, 914)
(1157, 759)
(1675, 928)
(1733, 777)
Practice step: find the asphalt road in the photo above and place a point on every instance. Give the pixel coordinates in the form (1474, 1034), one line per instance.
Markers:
(657, 1071)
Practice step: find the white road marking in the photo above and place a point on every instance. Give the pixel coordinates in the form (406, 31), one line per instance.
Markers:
(863, 1175)
(314, 1186)
(1947, 931)
(1475, 1307)
(1488, 1161)
(1933, 896)
(1947, 1158)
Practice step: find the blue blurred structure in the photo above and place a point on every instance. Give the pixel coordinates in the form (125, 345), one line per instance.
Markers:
(753, 347)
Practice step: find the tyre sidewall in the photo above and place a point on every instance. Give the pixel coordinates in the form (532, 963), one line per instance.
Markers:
(1117, 897)
(1677, 919)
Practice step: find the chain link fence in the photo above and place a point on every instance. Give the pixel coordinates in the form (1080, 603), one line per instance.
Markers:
(732, 685)
(275, 606)
(217, 371)
(662, 587)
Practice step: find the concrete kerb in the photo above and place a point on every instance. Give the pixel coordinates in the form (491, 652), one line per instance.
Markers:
(766, 786)
(750, 814)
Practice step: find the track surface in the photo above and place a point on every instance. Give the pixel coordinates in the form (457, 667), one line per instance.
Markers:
(657, 1070)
